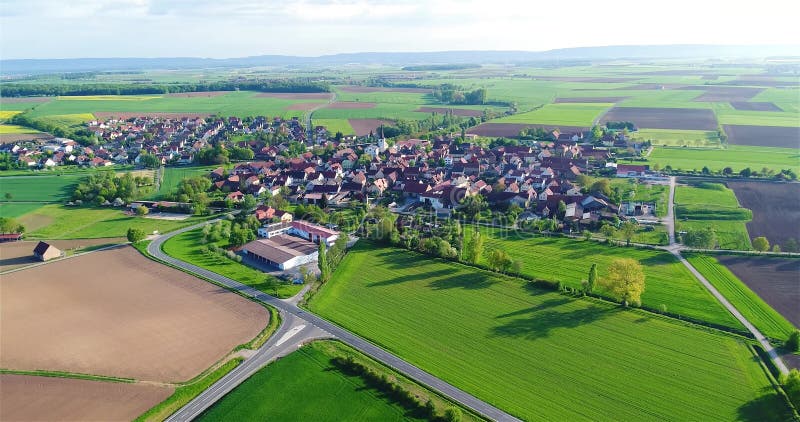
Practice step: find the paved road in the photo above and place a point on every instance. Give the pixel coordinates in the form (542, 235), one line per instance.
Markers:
(291, 312)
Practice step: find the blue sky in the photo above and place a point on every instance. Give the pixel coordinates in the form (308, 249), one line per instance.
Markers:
(236, 28)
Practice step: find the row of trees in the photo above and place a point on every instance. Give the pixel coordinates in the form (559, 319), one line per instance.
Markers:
(329, 259)
(82, 136)
(10, 225)
(454, 94)
(271, 85)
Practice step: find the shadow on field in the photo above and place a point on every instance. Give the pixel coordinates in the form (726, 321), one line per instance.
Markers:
(541, 322)
(768, 407)
(462, 281)
(549, 303)
(411, 277)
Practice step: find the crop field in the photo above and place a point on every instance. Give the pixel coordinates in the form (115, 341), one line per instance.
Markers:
(39, 188)
(55, 221)
(736, 157)
(335, 125)
(588, 100)
(565, 260)
(185, 246)
(379, 111)
(772, 279)
(14, 129)
(755, 106)
(763, 136)
(725, 93)
(32, 398)
(363, 127)
(786, 99)
(689, 138)
(6, 114)
(713, 205)
(567, 114)
(727, 115)
(20, 254)
(529, 348)
(511, 130)
(664, 118)
(156, 323)
(242, 104)
(328, 393)
(776, 214)
(758, 312)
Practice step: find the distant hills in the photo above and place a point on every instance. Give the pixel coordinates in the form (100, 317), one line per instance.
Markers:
(38, 66)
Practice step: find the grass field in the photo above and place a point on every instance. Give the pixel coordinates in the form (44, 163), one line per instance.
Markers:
(327, 393)
(14, 129)
(46, 188)
(691, 138)
(380, 111)
(243, 103)
(767, 320)
(540, 355)
(727, 115)
(335, 125)
(568, 114)
(736, 157)
(568, 261)
(186, 247)
(55, 221)
(17, 209)
(713, 205)
(173, 176)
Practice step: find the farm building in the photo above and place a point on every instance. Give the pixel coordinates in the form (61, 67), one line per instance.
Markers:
(626, 170)
(303, 229)
(10, 237)
(282, 251)
(45, 251)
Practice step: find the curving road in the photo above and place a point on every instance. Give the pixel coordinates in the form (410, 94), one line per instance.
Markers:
(294, 317)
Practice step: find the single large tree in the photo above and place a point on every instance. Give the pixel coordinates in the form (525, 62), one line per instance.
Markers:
(592, 282)
(625, 280)
(135, 234)
(628, 230)
(761, 244)
(474, 248)
(322, 262)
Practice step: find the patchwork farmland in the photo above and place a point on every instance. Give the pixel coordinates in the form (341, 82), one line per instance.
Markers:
(663, 118)
(764, 136)
(774, 206)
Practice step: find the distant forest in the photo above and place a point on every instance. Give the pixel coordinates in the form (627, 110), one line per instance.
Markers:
(52, 89)
(441, 67)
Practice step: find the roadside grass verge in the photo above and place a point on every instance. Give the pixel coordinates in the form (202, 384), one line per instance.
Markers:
(330, 392)
(61, 374)
(536, 353)
(767, 320)
(568, 261)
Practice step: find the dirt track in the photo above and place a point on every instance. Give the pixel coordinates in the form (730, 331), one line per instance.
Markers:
(118, 313)
(28, 398)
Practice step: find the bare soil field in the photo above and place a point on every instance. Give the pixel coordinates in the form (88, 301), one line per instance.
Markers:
(206, 94)
(589, 100)
(350, 105)
(652, 87)
(754, 106)
(296, 95)
(763, 81)
(776, 209)
(303, 106)
(724, 93)
(763, 136)
(773, 279)
(511, 130)
(355, 88)
(16, 137)
(19, 254)
(599, 80)
(663, 118)
(129, 114)
(12, 100)
(710, 77)
(117, 313)
(363, 127)
(30, 398)
(456, 111)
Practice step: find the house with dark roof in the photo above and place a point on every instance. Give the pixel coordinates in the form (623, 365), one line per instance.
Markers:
(45, 252)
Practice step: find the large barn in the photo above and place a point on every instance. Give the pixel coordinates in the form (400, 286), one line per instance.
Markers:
(282, 251)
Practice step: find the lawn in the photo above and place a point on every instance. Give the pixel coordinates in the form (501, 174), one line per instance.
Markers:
(335, 125)
(328, 394)
(713, 205)
(49, 188)
(669, 137)
(186, 247)
(540, 355)
(668, 282)
(55, 221)
(567, 114)
(736, 157)
(767, 320)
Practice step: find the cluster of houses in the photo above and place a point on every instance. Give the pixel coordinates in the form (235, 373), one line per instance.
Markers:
(170, 140)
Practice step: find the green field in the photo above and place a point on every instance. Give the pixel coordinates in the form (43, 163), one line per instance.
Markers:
(668, 282)
(55, 221)
(540, 355)
(186, 247)
(380, 111)
(244, 103)
(713, 205)
(736, 157)
(49, 188)
(767, 320)
(305, 385)
(335, 125)
(173, 175)
(17, 209)
(691, 138)
(567, 114)
(727, 115)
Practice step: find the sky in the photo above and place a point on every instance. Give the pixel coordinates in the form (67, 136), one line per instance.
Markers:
(239, 28)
